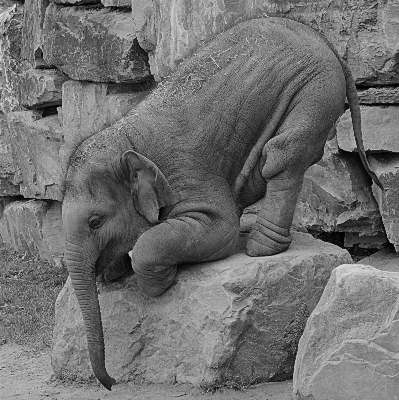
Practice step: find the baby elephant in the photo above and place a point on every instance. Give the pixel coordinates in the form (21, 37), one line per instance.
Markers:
(239, 121)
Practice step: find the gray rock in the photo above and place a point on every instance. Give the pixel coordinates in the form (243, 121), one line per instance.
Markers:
(367, 36)
(90, 107)
(76, 2)
(379, 95)
(236, 319)
(386, 167)
(117, 3)
(32, 33)
(40, 88)
(379, 127)
(10, 57)
(349, 349)
(384, 260)
(36, 143)
(8, 169)
(375, 241)
(22, 226)
(336, 196)
(52, 231)
(92, 44)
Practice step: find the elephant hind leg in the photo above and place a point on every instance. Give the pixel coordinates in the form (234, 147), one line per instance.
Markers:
(286, 157)
(271, 232)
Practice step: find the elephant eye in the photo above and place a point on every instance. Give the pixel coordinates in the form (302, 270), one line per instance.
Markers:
(95, 222)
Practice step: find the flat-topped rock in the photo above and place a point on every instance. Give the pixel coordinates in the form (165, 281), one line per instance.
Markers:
(236, 319)
(91, 44)
(350, 348)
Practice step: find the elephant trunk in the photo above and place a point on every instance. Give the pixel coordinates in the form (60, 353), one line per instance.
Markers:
(83, 279)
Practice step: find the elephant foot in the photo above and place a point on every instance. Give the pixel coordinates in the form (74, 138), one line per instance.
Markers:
(267, 240)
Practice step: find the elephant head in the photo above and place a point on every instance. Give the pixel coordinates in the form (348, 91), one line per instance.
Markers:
(110, 200)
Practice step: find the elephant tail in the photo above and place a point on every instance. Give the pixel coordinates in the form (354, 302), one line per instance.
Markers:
(353, 101)
(351, 95)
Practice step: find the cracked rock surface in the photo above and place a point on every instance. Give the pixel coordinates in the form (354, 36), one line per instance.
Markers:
(237, 319)
(349, 349)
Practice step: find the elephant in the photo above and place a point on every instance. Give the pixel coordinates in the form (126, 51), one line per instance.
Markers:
(238, 122)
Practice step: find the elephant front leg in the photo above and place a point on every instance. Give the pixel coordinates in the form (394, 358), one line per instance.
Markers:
(271, 232)
(193, 237)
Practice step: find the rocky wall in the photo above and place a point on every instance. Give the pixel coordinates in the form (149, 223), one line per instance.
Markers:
(69, 68)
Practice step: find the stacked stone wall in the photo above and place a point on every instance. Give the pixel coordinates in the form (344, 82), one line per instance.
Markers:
(69, 68)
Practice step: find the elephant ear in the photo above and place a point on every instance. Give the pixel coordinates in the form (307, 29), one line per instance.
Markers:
(148, 185)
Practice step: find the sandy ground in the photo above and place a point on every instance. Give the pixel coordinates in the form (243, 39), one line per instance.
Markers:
(27, 375)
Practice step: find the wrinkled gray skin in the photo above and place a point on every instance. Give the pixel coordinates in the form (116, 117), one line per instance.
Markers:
(240, 121)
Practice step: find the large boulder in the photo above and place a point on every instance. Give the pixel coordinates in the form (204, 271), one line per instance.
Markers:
(350, 347)
(237, 319)
(365, 35)
(92, 44)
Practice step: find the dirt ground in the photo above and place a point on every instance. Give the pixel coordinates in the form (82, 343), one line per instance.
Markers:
(27, 375)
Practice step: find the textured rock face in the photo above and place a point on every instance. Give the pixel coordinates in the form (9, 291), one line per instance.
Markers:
(32, 227)
(379, 95)
(349, 349)
(32, 40)
(7, 167)
(239, 318)
(36, 142)
(10, 57)
(386, 166)
(40, 88)
(366, 34)
(117, 3)
(52, 231)
(93, 44)
(384, 260)
(379, 127)
(76, 2)
(336, 196)
(90, 107)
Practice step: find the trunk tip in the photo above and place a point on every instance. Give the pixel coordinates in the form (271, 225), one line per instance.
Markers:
(107, 381)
